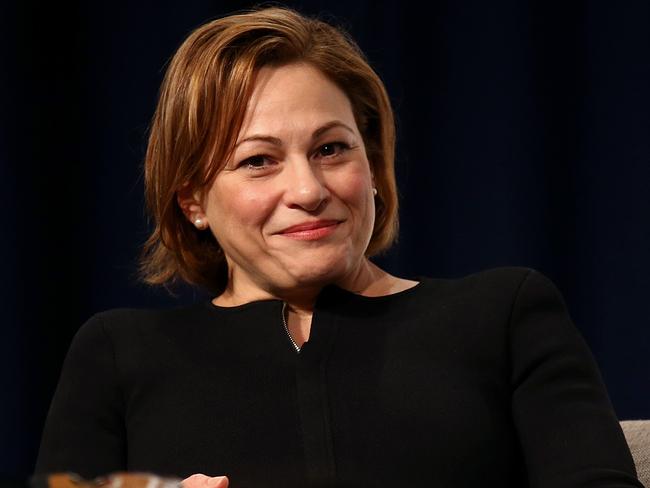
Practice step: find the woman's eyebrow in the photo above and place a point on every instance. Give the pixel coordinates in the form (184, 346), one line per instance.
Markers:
(328, 126)
(259, 137)
(278, 142)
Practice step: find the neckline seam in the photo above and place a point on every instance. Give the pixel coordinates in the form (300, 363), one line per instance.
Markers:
(348, 294)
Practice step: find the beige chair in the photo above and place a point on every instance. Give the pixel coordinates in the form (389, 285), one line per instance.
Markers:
(637, 433)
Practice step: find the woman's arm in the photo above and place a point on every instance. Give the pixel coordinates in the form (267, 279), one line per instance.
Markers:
(84, 432)
(567, 427)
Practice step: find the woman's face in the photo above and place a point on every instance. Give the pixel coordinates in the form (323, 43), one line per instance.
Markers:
(294, 204)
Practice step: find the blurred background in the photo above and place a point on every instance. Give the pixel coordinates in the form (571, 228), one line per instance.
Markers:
(523, 139)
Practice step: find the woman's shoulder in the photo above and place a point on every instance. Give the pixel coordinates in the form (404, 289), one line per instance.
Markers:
(148, 314)
(493, 289)
(495, 275)
(124, 324)
(498, 279)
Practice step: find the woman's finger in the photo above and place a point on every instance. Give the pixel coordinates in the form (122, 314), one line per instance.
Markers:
(202, 481)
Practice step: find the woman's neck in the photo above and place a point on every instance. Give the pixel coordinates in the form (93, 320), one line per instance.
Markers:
(367, 279)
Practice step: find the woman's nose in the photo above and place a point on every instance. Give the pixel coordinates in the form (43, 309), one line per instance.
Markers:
(305, 187)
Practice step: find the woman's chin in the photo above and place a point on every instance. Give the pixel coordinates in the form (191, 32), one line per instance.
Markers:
(315, 268)
(316, 278)
(319, 273)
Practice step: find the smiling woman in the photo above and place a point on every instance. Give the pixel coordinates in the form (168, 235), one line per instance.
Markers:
(269, 176)
(293, 207)
(257, 111)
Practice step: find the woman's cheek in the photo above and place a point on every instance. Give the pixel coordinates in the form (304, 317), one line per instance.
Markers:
(354, 185)
(253, 205)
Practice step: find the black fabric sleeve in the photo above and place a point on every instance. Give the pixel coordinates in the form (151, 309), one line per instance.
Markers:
(84, 432)
(569, 433)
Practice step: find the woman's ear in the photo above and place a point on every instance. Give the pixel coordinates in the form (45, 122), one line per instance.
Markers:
(190, 203)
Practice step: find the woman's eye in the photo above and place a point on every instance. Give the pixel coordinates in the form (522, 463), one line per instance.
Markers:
(333, 149)
(254, 162)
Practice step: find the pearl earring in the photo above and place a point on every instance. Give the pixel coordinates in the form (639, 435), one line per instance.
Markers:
(199, 223)
(374, 191)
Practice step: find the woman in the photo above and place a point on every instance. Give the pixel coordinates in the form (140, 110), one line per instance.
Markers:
(269, 174)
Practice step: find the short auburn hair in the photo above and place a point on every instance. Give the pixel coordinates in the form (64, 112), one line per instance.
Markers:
(203, 100)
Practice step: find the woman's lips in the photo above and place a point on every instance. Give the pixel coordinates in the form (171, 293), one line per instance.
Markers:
(311, 231)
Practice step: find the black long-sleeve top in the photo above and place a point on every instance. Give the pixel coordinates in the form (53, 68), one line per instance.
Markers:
(479, 381)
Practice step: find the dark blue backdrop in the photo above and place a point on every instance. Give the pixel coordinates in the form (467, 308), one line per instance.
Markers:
(524, 132)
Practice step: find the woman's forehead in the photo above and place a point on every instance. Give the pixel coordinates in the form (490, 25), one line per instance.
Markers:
(294, 97)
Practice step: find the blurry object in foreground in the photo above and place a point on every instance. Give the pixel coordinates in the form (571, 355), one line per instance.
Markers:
(115, 480)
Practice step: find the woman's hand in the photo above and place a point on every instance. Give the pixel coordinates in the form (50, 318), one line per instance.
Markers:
(203, 481)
